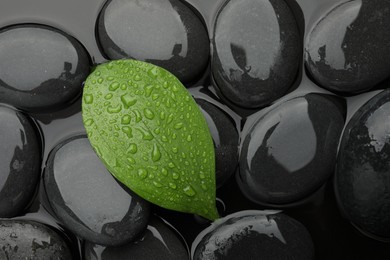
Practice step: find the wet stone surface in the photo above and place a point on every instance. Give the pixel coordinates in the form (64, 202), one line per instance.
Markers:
(363, 168)
(257, 52)
(159, 241)
(20, 161)
(88, 200)
(254, 235)
(225, 137)
(166, 33)
(290, 151)
(21, 239)
(345, 50)
(40, 67)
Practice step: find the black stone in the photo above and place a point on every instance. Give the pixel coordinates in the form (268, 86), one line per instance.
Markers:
(40, 67)
(363, 168)
(88, 200)
(256, 51)
(159, 241)
(225, 137)
(166, 33)
(20, 161)
(21, 239)
(254, 235)
(347, 49)
(290, 151)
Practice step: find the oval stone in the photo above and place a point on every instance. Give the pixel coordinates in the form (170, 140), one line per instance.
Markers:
(166, 33)
(88, 200)
(363, 168)
(225, 138)
(256, 51)
(40, 67)
(290, 151)
(20, 161)
(159, 241)
(21, 239)
(254, 235)
(345, 50)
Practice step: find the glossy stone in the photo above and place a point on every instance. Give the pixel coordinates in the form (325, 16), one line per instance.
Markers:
(346, 49)
(166, 33)
(225, 137)
(21, 239)
(254, 235)
(290, 151)
(159, 241)
(88, 200)
(363, 167)
(40, 67)
(256, 51)
(20, 161)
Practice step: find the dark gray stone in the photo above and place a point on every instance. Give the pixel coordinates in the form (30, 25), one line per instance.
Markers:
(166, 33)
(256, 51)
(225, 137)
(20, 161)
(254, 235)
(348, 49)
(363, 168)
(21, 239)
(291, 150)
(159, 241)
(88, 200)
(40, 67)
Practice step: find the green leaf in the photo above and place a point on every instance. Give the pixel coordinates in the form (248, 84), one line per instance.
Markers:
(151, 135)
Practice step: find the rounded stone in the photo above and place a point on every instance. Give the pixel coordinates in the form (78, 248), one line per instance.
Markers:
(254, 235)
(345, 50)
(363, 168)
(159, 241)
(290, 150)
(21, 239)
(20, 161)
(225, 138)
(40, 67)
(88, 200)
(256, 51)
(166, 33)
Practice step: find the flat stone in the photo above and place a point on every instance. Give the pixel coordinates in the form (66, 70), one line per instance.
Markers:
(166, 33)
(254, 235)
(256, 51)
(363, 168)
(22, 239)
(20, 161)
(225, 137)
(290, 151)
(159, 241)
(40, 67)
(347, 49)
(88, 200)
